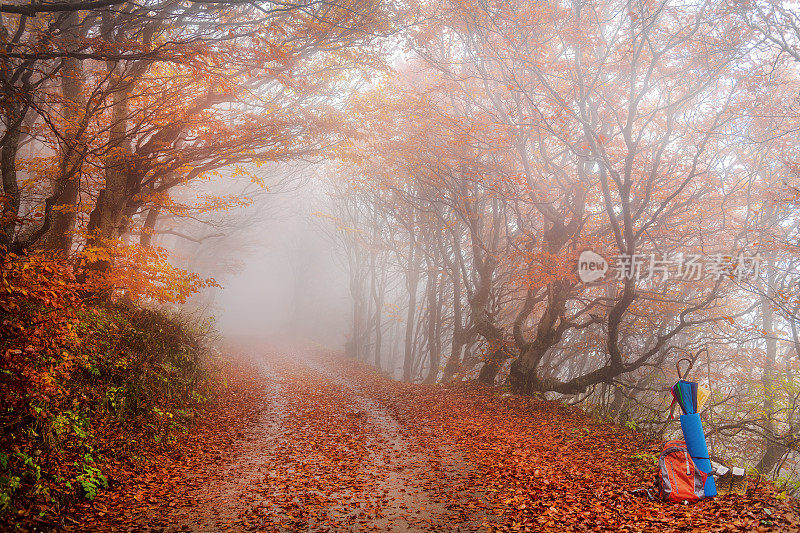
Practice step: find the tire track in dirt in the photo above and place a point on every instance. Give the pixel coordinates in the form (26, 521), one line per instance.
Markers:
(217, 496)
(418, 486)
(228, 499)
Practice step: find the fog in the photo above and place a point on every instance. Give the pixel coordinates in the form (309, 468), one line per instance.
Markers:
(292, 285)
(278, 269)
(590, 203)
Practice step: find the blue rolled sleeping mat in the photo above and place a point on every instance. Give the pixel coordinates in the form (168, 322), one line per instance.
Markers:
(695, 439)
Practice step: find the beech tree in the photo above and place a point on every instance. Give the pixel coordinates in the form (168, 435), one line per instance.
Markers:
(154, 95)
(577, 161)
(514, 137)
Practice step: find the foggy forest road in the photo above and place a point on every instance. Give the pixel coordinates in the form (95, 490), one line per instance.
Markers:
(327, 444)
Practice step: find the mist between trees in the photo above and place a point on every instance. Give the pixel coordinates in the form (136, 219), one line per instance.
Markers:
(438, 168)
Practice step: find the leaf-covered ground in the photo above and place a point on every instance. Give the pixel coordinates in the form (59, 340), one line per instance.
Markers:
(308, 441)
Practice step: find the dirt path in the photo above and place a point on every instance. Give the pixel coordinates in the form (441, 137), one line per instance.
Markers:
(421, 486)
(217, 498)
(322, 455)
(319, 443)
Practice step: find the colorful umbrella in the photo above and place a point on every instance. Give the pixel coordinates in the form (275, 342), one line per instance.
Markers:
(685, 393)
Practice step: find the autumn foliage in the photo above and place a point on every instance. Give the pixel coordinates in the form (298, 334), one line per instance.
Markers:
(81, 384)
(114, 115)
(514, 137)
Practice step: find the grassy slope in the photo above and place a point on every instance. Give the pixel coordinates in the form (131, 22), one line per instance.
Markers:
(80, 412)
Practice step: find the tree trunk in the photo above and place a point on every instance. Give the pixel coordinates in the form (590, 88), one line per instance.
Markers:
(378, 295)
(492, 365)
(434, 312)
(356, 292)
(773, 452)
(105, 219)
(148, 229)
(457, 346)
(62, 225)
(524, 373)
(524, 376)
(412, 280)
(8, 167)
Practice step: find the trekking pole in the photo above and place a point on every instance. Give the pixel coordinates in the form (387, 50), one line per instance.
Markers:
(708, 371)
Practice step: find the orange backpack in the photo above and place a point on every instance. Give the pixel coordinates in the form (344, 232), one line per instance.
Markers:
(678, 477)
